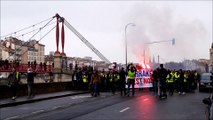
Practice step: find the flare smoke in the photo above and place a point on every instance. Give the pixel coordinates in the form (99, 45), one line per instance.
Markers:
(161, 24)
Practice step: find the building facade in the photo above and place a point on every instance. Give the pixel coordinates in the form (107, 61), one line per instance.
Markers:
(1, 49)
(211, 58)
(13, 49)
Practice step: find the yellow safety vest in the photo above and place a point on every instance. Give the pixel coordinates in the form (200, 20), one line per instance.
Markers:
(185, 77)
(196, 74)
(170, 78)
(115, 77)
(176, 75)
(110, 77)
(118, 77)
(84, 78)
(17, 75)
(131, 75)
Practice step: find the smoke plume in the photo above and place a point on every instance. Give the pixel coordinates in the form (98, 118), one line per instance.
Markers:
(162, 24)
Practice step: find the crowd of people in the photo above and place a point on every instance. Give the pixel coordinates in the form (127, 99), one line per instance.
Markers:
(86, 78)
(14, 82)
(111, 80)
(164, 81)
(174, 81)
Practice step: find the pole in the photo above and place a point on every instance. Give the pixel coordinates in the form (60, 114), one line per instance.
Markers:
(144, 52)
(126, 46)
(173, 43)
(158, 59)
(132, 24)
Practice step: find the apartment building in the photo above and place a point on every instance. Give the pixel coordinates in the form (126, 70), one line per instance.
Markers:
(24, 52)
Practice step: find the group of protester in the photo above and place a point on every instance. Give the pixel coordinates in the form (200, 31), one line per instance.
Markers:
(14, 82)
(171, 81)
(164, 80)
(87, 78)
(111, 80)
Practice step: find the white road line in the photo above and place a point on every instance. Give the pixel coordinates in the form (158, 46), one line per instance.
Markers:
(146, 99)
(125, 109)
(79, 97)
(36, 112)
(10, 118)
(56, 107)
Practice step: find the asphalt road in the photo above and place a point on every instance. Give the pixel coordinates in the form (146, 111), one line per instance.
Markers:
(143, 106)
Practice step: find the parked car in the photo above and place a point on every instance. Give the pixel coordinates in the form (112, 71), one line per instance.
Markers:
(206, 82)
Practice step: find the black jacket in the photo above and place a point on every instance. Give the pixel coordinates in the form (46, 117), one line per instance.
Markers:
(30, 77)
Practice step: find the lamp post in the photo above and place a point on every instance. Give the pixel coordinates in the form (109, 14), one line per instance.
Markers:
(172, 40)
(132, 24)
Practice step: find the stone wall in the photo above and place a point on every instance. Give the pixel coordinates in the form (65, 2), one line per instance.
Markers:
(39, 88)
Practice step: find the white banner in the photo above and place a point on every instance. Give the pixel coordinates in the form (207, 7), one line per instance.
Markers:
(142, 79)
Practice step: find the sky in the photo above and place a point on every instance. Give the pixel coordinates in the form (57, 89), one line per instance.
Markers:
(103, 24)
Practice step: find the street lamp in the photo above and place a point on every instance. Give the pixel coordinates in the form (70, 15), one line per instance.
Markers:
(132, 24)
(172, 40)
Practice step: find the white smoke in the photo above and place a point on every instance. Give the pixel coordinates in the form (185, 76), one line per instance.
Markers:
(161, 24)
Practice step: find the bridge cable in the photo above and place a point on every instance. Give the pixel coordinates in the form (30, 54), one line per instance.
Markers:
(25, 28)
(86, 42)
(34, 35)
(34, 30)
(40, 38)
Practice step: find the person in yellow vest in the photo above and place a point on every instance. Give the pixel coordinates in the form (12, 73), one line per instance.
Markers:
(178, 81)
(185, 82)
(85, 81)
(170, 81)
(14, 79)
(196, 77)
(131, 81)
(111, 80)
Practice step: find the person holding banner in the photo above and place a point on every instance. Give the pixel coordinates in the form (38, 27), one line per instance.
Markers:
(131, 80)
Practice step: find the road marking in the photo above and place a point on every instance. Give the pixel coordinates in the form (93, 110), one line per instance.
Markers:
(56, 107)
(125, 109)
(79, 97)
(146, 99)
(36, 112)
(10, 118)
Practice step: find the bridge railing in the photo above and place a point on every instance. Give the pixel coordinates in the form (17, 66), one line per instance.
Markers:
(23, 67)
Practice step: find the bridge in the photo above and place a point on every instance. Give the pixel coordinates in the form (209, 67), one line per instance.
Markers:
(6, 66)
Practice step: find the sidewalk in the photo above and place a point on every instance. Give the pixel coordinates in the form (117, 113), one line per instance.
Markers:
(24, 99)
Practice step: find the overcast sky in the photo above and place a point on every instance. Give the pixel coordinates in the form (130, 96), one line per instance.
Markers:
(103, 23)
